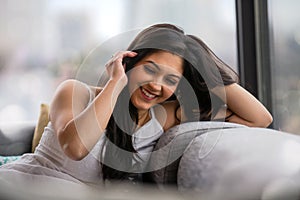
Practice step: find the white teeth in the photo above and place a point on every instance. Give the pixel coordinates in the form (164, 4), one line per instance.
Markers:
(147, 93)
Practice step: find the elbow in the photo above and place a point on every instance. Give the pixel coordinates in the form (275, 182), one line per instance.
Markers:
(269, 120)
(265, 121)
(72, 148)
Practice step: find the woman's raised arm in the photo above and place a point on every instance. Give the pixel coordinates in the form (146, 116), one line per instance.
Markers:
(244, 108)
(78, 124)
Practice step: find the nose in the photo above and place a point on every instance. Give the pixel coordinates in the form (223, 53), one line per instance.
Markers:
(155, 86)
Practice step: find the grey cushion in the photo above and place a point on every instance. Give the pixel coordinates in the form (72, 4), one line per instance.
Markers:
(163, 164)
(16, 138)
(242, 163)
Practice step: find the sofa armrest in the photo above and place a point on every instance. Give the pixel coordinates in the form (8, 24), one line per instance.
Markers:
(163, 164)
(16, 138)
(242, 163)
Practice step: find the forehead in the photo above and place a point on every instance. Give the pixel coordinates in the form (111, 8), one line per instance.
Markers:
(165, 59)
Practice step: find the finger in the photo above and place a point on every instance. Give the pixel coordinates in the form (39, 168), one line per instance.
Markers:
(122, 54)
(118, 57)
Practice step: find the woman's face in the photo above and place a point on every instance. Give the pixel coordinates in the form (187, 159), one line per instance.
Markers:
(154, 79)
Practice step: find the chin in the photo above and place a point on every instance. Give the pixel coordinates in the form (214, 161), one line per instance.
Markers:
(140, 106)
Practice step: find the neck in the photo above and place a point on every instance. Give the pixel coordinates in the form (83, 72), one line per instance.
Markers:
(143, 116)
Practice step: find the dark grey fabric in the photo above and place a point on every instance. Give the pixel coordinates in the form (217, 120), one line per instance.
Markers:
(242, 163)
(16, 138)
(163, 164)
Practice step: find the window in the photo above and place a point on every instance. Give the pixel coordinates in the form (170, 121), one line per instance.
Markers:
(285, 60)
(44, 42)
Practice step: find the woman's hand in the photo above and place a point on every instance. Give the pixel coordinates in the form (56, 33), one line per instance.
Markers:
(78, 123)
(115, 67)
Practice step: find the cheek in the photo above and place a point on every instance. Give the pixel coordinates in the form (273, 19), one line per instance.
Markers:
(168, 92)
(131, 84)
(134, 79)
(137, 79)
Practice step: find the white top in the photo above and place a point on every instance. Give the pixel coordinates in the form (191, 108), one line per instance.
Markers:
(49, 159)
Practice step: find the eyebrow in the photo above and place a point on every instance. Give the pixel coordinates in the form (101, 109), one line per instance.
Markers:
(158, 68)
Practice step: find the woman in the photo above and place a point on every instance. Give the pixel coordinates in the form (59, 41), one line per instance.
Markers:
(163, 79)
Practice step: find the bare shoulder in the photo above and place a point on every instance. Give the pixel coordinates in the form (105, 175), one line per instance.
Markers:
(71, 87)
(69, 95)
(77, 87)
(70, 99)
(166, 114)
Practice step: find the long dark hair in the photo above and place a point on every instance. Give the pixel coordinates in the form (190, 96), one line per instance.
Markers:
(203, 71)
(199, 69)
(120, 129)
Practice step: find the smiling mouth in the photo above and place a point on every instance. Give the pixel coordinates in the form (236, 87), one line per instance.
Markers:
(146, 94)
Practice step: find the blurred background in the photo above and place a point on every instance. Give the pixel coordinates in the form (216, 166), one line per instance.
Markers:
(285, 63)
(43, 42)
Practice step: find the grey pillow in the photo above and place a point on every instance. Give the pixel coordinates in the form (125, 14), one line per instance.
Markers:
(163, 164)
(242, 163)
(16, 138)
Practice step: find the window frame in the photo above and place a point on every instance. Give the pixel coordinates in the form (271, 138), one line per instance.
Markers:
(253, 46)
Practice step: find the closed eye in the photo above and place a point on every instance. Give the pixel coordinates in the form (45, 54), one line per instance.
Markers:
(171, 81)
(148, 69)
